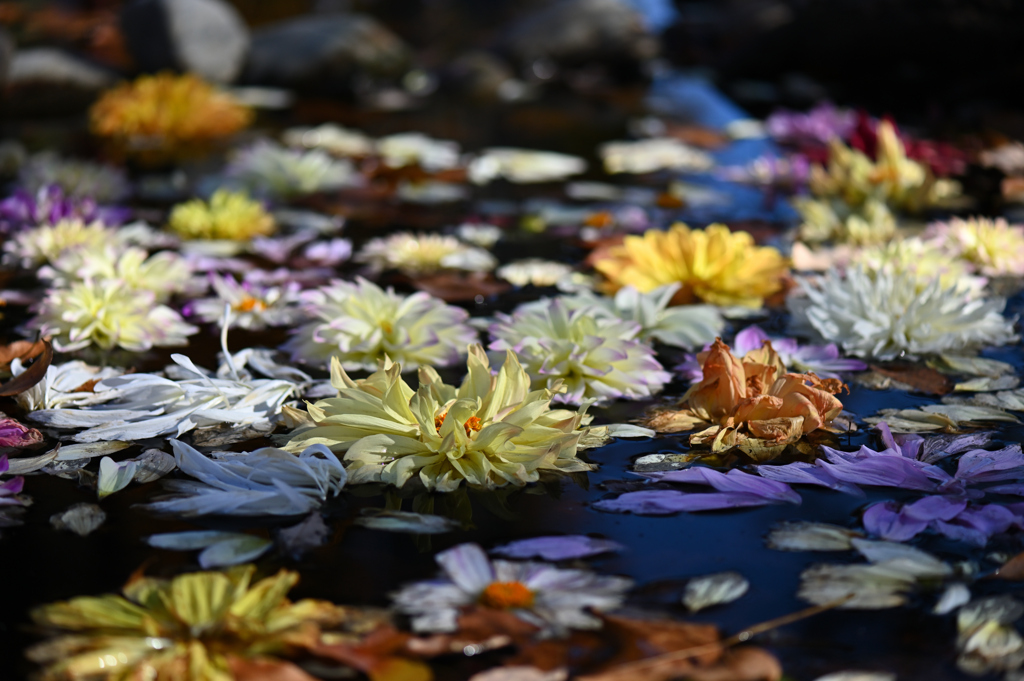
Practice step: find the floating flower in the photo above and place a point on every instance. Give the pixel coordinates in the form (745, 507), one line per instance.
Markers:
(752, 404)
(714, 265)
(46, 243)
(162, 274)
(100, 312)
(331, 138)
(415, 148)
(683, 326)
(537, 272)
(994, 247)
(268, 169)
(77, 178)
(416, 254)
(817, 126)
(492, 431)
(63, 385)
(652, 155)
(832, 220)
(48, 206)
(553, 599)
(198, 626)
(823, 360)
(165, 111)
(228, 215)
(267, 481)
(523, 166)
(884, 314)
(924, 259)
(253, 306)
(360, 324)
(595, 357)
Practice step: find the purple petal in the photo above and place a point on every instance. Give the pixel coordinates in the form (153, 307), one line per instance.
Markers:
(884, 471)
(557, 548)
(12, 486)
(885, 520)
(1016, 490)
(750, 338)
(980, 465)
(665, 501)
(800, 472)
(734, 481)
(934, 508)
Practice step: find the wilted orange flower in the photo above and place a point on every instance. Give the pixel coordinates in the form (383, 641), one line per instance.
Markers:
(166, 111)
(714, 265)
(751, 403)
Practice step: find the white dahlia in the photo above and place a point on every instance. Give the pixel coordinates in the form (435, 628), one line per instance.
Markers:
(594, 357)
(163, 273)
(269, 169)
(46, 243)
(886, 314)
(361, 324)
(107, 314)
(416, 254)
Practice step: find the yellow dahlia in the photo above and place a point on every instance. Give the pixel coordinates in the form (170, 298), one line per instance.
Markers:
(166, 111)
(491, 431)
(713, 265)
(202, 625)
(228, 215)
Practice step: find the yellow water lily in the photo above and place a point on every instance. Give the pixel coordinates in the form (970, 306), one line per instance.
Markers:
(714, 265)
(165, 111)
(197, 626)
(228, 215)
(491, 431)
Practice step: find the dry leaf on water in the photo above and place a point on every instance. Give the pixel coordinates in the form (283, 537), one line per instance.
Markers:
(266, 670)
(32, 375)
(23, 350)
(920, 378)
(1011, 570)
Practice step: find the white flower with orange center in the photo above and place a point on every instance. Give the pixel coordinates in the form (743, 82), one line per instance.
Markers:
(253, 306)
(553, 599)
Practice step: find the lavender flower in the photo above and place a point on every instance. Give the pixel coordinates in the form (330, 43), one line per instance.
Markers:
(951, 516)
(49, 206)
(817, 126)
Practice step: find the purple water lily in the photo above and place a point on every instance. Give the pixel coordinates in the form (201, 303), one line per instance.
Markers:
(817, 126)
(823, 360)
(22, 210)
(735, 489)
(952, 516)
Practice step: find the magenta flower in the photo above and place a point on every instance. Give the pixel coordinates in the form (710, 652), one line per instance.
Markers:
(9, 489)
(14, 434)
(815, 127)
(22, 210)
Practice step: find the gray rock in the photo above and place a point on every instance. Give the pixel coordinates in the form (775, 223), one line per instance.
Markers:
(324, 52)
(207, 37)
(577, 31)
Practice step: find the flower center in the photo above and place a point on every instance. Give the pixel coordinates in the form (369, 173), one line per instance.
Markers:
(506, 596)
(472, 425)
(248, 304)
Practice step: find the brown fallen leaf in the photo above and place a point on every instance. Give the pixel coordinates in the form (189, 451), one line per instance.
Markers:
(378, 655)
(23, 350)
(748, 663)
(32, 375)
(266, 669)
(921, 378)
(451, 287)
(1012, 570)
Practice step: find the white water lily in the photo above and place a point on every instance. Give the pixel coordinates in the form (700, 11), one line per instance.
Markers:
(491, 431)
(360, 324)
(267, 481)
(684, 326)
(651, 155)
(595, 358)
(141, 406)
(551, 598)
(523, 166)
(884, 314)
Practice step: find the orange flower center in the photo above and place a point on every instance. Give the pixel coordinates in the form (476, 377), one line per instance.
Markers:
(506, 596)
(472, 424)
(248, 304)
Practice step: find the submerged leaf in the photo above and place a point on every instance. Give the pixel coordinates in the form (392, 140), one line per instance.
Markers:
(802, 535)
(723, 587)
(404, 521)
(82, 519)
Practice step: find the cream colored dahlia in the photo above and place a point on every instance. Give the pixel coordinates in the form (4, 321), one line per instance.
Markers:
(360, 324)
(163, 273)
(491, 431)
(994, 247)
(416, 254)
(48, 242)
(108, 315)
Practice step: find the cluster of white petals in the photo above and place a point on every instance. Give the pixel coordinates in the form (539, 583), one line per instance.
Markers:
(885, 314)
